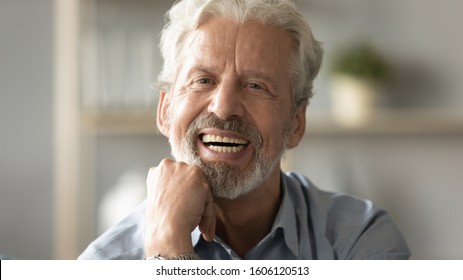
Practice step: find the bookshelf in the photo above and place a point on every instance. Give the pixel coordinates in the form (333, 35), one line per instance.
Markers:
(385, 122)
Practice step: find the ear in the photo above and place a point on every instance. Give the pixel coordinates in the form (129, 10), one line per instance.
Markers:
(297, 130)
(162, 116)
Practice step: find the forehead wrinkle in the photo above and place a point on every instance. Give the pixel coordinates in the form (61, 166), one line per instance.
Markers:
(263, 58)
(222, 44)
(209, 49)
(204, 58)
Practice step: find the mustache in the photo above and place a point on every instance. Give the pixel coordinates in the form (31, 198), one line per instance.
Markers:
(235, 124)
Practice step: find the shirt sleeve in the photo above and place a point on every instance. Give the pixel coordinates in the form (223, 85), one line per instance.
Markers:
(380, 240)
(123, 241)
(347, 227)
(358, 230)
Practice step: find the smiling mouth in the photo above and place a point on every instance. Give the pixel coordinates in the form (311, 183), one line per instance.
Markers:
(221, 144)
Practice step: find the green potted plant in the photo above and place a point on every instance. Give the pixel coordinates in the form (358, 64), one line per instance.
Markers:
(356, 77)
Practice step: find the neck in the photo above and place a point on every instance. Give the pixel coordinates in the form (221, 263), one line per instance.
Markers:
(245, 221)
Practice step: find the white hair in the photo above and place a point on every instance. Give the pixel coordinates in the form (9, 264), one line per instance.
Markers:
(187, 15)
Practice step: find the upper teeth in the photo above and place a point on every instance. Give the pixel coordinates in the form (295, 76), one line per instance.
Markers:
(207, 138)
(237, 144)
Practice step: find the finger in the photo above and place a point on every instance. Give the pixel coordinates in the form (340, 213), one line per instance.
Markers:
(210, 234)
(153, 174)
(207, 223)
(208, 219)
(150, 179)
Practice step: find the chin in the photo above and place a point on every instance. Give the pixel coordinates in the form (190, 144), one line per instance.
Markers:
(231, 183)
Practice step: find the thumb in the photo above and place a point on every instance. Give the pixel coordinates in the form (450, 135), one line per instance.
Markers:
(208, 219)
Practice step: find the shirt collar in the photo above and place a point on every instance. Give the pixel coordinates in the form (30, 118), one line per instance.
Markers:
(285, 219)
(195, 236)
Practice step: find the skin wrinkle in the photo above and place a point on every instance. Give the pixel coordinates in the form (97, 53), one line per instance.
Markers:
(224, 73)
(256, 57)
(225, 181)
(199, 37)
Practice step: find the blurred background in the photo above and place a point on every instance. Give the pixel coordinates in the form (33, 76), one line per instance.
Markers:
(78, 133)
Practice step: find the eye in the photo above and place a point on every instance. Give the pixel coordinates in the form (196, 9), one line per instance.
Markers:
(204, 81)
(255, 86)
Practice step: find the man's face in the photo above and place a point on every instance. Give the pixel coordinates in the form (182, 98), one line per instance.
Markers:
(229, 110)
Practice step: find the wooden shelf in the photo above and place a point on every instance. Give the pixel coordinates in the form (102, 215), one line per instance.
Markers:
(120, 123)
(389, 122)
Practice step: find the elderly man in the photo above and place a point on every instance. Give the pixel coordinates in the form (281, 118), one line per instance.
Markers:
(235, 86)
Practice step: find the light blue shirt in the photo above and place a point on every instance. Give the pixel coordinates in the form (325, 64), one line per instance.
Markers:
(310, 224)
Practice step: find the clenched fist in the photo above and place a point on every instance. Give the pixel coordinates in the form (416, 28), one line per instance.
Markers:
(179, 200)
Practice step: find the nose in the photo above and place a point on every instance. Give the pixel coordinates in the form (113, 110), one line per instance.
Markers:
(227, 101)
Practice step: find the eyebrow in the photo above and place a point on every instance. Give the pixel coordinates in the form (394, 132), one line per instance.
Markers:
(203, 68)
(215, 69)
(260, 75)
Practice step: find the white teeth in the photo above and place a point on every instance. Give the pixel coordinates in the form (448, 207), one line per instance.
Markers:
(221, 149)
(212, 139)
(207, 138)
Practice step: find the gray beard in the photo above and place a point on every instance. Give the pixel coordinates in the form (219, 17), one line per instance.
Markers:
(226, 181)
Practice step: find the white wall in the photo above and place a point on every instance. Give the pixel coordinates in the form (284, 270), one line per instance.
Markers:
(26, 106)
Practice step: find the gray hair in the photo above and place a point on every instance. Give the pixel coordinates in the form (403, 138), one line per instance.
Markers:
(187, 15)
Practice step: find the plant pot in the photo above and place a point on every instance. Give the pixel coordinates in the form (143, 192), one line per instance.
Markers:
(353, 100)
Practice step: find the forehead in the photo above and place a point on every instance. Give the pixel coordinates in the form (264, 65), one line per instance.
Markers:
(249, 46)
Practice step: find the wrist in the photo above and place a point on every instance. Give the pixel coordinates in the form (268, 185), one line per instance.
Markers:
(187, 256)
(168, 245)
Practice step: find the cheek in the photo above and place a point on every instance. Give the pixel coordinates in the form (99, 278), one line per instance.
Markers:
(184, 111)
(273, 132)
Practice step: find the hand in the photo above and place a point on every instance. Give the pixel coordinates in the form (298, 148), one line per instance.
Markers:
(179, 199)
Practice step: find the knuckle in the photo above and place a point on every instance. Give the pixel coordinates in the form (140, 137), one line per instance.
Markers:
(197, 172)
(165, 161)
